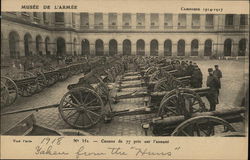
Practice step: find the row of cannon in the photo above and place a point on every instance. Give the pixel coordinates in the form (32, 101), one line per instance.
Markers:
(179, 110)
(28, 83)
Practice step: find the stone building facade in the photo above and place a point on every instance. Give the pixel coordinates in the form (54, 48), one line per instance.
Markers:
(155, 34)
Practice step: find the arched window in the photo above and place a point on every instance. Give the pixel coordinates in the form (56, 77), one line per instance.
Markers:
(74, 46)
(39, 45)
(154, 48)
(208, 48)
(61, 47)
(112, 47)
(140, 47)
(85, 47)
(47, 41)
(14, 44)
(228, 47)
(194, 47)
(126, 47)
(242, 47)
(181, 48)
(27, 44)
(168, 48)
(99, 48)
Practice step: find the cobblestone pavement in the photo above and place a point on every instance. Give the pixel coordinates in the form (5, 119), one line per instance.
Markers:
(233, 78)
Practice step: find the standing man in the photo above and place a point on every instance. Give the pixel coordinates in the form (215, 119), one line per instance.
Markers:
(217, 73)
(213, 84)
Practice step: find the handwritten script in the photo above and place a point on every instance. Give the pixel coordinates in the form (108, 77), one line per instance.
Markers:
(55, 147)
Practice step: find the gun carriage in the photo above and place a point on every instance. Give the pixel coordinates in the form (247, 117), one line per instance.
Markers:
(179, 110)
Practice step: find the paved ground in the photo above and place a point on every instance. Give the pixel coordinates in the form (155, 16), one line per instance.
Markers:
(234, 74)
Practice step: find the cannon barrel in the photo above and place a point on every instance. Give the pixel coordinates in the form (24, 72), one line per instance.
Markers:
(168, 124)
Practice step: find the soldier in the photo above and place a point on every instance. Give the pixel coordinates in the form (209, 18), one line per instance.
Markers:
(213, 84)
(217, 73)
(190, 68)
(196, 78)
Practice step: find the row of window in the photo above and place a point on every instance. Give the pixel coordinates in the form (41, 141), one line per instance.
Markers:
(140, 20)
(126, 45)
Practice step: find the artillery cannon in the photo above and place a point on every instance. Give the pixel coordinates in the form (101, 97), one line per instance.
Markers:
(90, 101)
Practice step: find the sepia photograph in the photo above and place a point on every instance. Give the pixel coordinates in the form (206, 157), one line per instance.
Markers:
(125, 73)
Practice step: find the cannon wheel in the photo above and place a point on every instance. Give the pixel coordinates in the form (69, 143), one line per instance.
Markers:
(4, 95)
(12, 89)
(181, 102)
(150, 70)
(81, 108)
(41, 80)
(27, 90)
(202, 126)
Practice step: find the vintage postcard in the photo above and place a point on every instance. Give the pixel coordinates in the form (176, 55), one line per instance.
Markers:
(124, 79)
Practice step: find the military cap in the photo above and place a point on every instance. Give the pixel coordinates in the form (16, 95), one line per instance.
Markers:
(210, 69)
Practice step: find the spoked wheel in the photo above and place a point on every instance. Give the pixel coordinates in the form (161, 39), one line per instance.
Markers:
(41, 80)
(163, 85)
(203, 126)
(110, 77)
(81, 108)
(12, 89)
(156, 76)
(150, 71)
(181, 102)
(4, 95)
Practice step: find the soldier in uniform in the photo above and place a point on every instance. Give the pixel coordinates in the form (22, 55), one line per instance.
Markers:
(213, 84)
(196, 78)
(217, 73)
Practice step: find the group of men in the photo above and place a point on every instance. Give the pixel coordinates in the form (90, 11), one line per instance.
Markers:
(213, 81)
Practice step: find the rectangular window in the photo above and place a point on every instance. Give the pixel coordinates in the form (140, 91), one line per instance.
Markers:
(168, 21)
(84, 20)
(209, 21)
(195, 21)
(182, 21)
(154, 19)
(112, 20)
(140, 19)
(98, 20)
(126, 20)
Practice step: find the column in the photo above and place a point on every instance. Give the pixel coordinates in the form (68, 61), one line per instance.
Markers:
(133, 48)
(187, 49)
(161, 21)
(161, 48)
(189, 21)
(105, 20)
(202, 21)
(133, 20)
(4, 45)
(69, 47)
(106, 48)
(221, 21)
(174, 49)
(77, 20)
(119, 48)
(91, 20)
(119, 20)
(147, 48)
(21, 46)
(147, 21)
(175, 21)
(216, 21)
(201, 49)
(68, 19)
(235, 48)
(236, 21)
(92, 48)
